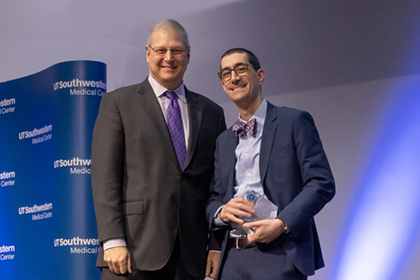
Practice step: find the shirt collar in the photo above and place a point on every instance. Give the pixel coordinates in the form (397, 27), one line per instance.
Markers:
(159, 90)
(260, 115)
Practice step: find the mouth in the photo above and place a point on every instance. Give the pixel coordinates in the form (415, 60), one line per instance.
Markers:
(237, 88)
(237, 85)
(168, 67)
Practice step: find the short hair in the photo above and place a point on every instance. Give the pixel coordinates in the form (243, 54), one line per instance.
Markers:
(169, 25)
(252, 58)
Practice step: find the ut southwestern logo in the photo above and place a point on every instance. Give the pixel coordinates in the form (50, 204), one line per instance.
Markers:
(82, 87)
(78, 245)
(7, 106)
(7, 179)
(34, 210)
(76, 164)
(38, 135)
(7, 253)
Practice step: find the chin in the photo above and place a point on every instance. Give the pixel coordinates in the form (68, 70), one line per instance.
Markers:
(169, 77)
(168, 71)
(238, 94)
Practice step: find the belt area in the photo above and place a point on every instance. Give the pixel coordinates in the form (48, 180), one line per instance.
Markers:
(240, 243)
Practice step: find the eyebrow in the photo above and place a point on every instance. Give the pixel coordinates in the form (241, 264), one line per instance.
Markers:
(237, 64)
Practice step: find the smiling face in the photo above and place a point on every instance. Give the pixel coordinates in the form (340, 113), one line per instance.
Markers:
(167, 69)
(244, 91)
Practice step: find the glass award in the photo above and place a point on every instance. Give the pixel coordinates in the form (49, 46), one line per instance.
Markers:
(264, 209)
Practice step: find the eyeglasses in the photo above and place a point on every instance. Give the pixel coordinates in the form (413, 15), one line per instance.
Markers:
(163, 51)
(241, 70)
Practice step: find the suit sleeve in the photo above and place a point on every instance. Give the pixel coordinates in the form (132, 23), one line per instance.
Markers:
(107, 170)
(215, 242)
(215, 200)
(318, 183)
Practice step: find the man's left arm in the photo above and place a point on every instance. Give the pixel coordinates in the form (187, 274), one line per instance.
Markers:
(318, 182)
(318, 185)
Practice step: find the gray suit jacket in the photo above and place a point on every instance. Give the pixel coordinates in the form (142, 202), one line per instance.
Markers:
(140, 193)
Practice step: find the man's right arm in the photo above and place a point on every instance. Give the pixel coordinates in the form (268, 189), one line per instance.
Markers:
(236, 207)
(107, 173)
(118, 260)
(218, 209)
(215, 201)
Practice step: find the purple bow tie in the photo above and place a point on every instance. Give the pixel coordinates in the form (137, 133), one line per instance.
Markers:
(242, 128)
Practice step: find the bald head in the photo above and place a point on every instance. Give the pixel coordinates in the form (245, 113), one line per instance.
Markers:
(169, 25)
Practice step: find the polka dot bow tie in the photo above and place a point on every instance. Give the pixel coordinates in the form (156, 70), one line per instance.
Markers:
(242, 129)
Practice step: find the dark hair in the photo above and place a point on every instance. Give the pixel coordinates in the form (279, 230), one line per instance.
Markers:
(253, 60)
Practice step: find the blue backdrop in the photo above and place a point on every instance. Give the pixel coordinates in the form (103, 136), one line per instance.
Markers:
(47, 221)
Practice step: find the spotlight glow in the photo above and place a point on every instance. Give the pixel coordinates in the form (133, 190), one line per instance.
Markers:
(384, 220)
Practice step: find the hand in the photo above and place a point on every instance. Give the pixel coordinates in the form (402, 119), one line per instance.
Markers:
(118, 259)
(236, 207)
(265, 231)
(212, 264)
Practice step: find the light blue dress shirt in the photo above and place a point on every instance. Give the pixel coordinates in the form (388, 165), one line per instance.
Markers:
(247, 153)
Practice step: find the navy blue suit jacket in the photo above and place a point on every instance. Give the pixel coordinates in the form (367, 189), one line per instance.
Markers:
(295, 175)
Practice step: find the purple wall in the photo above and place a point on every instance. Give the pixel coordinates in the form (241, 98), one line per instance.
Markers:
(349, 63)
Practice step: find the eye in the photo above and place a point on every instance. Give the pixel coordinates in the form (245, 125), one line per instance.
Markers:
(160, 51)
(241, 69)
(226, 74)
(177, 51)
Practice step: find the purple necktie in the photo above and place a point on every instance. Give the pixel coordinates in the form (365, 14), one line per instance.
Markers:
(176, 128)
(241, 128)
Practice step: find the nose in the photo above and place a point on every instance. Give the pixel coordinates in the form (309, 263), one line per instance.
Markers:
(168, 55)
(233, 75)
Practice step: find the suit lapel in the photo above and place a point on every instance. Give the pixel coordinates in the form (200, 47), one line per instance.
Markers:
(148, 102)
(195, 112)
(267, 140)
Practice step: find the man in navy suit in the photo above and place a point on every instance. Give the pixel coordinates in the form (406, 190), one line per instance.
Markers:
(272, 152)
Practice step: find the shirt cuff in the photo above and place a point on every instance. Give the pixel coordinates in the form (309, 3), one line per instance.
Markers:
(112, 243)
(217, 221)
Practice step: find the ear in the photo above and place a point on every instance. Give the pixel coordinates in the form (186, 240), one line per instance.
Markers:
(147, 53)
(261, 76)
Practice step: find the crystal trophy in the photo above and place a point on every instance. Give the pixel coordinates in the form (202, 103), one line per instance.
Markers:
(264, 208)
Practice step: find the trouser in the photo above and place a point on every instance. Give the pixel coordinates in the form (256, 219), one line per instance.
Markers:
(173, 270)
(258, 263)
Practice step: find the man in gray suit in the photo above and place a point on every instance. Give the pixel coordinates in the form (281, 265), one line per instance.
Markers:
(152, 163)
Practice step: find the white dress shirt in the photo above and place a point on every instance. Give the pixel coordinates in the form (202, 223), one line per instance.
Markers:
(159, 91)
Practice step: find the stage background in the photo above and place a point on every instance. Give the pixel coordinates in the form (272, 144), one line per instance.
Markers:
(353, 64)
(48, 227)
